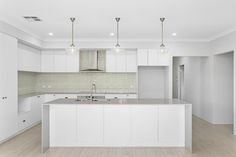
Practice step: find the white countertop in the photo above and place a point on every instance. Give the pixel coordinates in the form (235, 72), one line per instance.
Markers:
(118, 101)
(82, 92)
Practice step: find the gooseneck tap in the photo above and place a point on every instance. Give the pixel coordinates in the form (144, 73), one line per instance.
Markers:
(93, 90)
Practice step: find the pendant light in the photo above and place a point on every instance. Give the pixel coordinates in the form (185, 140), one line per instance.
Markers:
(72, 49)
(117, 46)
(162, 46)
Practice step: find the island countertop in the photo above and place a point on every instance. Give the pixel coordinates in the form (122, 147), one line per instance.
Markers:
(118, 101)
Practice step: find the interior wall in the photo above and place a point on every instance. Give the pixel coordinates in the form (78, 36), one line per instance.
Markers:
(152, 82)
(222, 45)
(196, 84)
(223, 89)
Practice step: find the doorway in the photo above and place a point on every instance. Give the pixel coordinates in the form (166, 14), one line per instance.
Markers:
(181, 82)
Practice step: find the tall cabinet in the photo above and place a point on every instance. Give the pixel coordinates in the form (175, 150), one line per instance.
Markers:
(8, 86)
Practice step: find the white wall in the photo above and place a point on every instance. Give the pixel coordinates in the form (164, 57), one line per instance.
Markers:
(223, 88)
(196, 84)
(222, 45)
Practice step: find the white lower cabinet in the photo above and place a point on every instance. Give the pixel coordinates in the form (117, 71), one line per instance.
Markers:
(144, 125)
(172, 125)
(90, 125)
(117, 125)
(36, 107)
(63, 125)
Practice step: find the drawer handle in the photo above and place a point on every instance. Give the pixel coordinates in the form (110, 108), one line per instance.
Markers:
(24, 121)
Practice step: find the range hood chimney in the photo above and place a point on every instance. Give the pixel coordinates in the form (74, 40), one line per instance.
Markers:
(92, 60)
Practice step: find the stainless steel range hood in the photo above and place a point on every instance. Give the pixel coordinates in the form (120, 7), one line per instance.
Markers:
(92, 60)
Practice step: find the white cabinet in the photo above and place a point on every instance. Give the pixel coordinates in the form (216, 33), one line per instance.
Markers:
(152, 57)
(172, 125)
(72, 62)
(63, 129)
(36, 106)
(8, 86)
(123, 61)
(142, 57)
(116, 125)
(47, 61)
(90, 124)
(144, 128)
(120, 61)
(131, 61)
(59, 61)
(111, 61)
(29, 59)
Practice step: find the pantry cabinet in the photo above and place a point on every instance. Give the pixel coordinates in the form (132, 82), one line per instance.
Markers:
(152, 57)
(8, 84)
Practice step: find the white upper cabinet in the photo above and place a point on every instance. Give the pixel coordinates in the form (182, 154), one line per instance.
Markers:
(72, 62)
(121, 61)
(131, 60)
(142, 57)
(47, 61)
(153, 57)
(29, 59)
(124, 61)
(59, 61)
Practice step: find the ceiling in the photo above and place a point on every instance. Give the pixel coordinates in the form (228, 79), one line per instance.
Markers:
(190, 19)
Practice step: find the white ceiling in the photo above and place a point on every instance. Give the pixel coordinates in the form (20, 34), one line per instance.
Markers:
(191, 19)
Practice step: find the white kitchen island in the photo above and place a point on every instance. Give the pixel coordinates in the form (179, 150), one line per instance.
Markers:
(117, 123)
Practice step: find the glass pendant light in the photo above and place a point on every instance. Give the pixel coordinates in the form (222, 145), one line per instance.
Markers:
(117, 46)
(72, 49)
(163, 48)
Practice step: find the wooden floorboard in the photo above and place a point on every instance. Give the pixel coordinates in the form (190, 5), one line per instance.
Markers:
(208, 141)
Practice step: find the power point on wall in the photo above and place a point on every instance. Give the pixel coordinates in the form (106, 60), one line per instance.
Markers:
(49, 86)
(44, 86)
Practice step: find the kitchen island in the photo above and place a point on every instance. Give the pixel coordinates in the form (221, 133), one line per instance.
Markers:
(117, 123)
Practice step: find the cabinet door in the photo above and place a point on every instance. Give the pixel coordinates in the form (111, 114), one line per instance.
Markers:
(110, 61)
(36, 105)
(63, 126)
(142, 57)
(29, 59)
(90, 125)
(60, 61)
(153, 57)
(72, 62)
(144, 121)
(8, 86)
(121, 61)
(47, 61)
(172, 125)
(116, 125)
(131, 61)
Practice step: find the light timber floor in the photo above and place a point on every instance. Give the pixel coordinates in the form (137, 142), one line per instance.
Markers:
(208, 141)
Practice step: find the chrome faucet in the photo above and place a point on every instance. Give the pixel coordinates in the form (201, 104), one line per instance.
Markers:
(93, 90)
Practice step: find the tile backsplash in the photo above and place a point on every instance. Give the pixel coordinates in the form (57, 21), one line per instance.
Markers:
(76, 82)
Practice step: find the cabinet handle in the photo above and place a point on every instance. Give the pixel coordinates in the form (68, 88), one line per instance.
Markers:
(3, 97)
